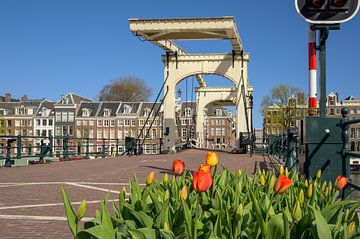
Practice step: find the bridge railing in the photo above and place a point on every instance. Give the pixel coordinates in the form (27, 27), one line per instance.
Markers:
(346, 153)
(285, 148)
(36, 148)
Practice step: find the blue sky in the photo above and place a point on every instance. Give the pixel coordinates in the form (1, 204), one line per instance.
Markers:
(49, 48)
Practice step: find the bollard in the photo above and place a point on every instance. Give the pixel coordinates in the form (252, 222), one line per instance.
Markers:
(289, 163)
(8, 161)
(103, 147)
(66, 148)
(51, 145)
(117, 148)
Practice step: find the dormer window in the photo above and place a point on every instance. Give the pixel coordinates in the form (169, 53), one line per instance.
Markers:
(127, 109)
(2, 112)
(218, 112)
(21, 110)
(147, 112)
(86, 112)
(45, 112)
(188, 112)
(107, 112)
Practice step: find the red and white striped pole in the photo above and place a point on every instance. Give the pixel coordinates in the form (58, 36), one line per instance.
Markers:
(312, 73)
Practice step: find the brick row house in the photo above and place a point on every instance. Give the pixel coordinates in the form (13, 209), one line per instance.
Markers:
(100, 128)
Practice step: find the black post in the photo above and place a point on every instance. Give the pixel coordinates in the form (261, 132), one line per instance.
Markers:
(8, 162)
(117, 148)
(51, 145)
(66, 148)
(87, 149)
(345, 164)
(324, 32)
(42, 152)
(19, 143)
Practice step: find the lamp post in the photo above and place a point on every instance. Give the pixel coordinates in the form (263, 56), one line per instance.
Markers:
(250, 107)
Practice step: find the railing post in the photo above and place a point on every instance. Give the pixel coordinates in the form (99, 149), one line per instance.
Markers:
(289, 163)
(8, 154)
(87, 149)
(66, 148)
(117, 148)
(51, 145)
(103, 147)
(42, 150)
(345, 142)
(18, 147)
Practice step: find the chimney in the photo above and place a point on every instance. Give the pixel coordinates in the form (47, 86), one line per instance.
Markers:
(7, 97)
(24, 98)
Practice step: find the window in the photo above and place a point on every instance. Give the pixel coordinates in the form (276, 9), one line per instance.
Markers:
(106, 133)
(58, 117)
(126, 133)
(183, 132)
(112, 134)
(64, 117)
(37, 132)
(154, 148)
(91, 122)
(85, 122)
(71, 116)
(2, 112)
(153, 136)
(218, 122)
(212, 132)
(352, 133)
(183, 122)
(78, 122)
(106, 123)
(127, 109)
(57, 131)
(91, 133)
(99, 123)
(126, 122)
(120, 122)
(86, 112)
(106, 112)
(218, 131)
(50, 122)
(38, 122)
(112, 123)
(78, 133)
(218, 112)
(223, 131)
(50, 132)
(141, 122)
(44, 122)
(71, 130)
(133, 122)
(358, 133)
(65, 130)
(17, 123)
(99, 134)
(29, 122)
(188, 112)
(120, 134)
(147, 112)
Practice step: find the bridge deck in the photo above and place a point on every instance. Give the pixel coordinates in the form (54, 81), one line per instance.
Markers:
(30, 201)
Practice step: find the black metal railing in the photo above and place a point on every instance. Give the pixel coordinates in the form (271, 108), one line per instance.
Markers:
(65, 148)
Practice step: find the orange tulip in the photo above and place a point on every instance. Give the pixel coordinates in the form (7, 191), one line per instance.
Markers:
(178, 166)
(202, 181)
(341, 182)
(204, 168)
(282, 184)
(211, 158)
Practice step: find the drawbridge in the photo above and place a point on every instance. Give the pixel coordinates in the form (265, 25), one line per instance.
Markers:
(180, 64)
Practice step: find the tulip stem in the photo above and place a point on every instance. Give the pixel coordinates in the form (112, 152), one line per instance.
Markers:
(268, 210)
(196, 216)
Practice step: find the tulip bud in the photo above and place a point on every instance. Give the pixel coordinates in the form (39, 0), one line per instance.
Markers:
(326, 191)
(318, 174)
(239, 211)
(306, 183)
(123, 190)
(166, 178)
(346, 215)
(150, 178)
(351, 229)
(296, 177)
(238, 173)
(330, 186)
(281, 169)
(262, 180)
(238, 188)
(211, 158)
(296, 213)
(309, 191)
(341, 182)
(286, 172)
(263, 172)
(184, 192)
(258, 171)
(315, 184)
(166, 227)
(272, 181)
(323, 186)
(81, 210)
(301, 197)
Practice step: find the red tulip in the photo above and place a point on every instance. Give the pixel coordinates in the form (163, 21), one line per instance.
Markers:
(178, 166)
(282, 184)
(202, 181)
(341, 182)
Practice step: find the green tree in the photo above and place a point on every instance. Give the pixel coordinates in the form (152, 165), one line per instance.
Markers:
(286, 97)
(128, 88)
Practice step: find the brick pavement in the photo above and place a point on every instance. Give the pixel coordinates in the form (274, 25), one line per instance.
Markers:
(30, 200)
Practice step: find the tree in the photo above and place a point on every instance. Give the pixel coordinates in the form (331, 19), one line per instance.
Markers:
(285, 97)
(128, 89)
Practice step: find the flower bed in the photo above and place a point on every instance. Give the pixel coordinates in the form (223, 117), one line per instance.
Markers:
(224, 205)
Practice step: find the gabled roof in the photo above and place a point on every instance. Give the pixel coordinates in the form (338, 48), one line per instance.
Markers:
(45, 104)
(149, 105)
(350, 98)
(73, 98)
(135, 106)
(92, 106)
(113, 106)
(11, 106)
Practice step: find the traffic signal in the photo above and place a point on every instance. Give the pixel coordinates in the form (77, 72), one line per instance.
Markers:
(327, 11)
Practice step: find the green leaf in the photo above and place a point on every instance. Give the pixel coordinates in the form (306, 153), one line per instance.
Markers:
(70, 214)
(258, 213)
(187, 217)
(100, 231)
(143, 233)
(275, 228)
(141, 217)
(323, 229)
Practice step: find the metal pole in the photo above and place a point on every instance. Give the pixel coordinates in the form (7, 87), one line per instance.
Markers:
(324, 32)
(18, 156)
(312, 72)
